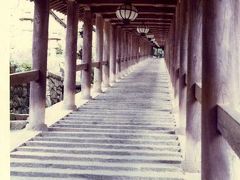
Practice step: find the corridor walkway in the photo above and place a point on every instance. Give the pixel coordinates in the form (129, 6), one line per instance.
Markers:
(126, 133)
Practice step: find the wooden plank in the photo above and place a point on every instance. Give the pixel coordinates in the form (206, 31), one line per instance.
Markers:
(96, 64)
(24, 77)
(198, 92)
(81, 67)
(229, 126)
(162, 3)
(141, 9)
(105, 63)
(14, 116)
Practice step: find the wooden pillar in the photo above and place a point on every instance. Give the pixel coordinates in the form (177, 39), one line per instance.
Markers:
(99, 54)
(39, 62)
(172, 54)
(112, 61)
(194, 75)
(219, 84)
(134, 48)
(124, 53)
(106, 53)
(70, 56)
(183, 67)
(177, 52)
(137, 50)
(129, 50)
(118, 52)
(87, 53)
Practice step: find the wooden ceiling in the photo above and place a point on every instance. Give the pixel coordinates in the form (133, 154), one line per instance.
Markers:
(157, 14)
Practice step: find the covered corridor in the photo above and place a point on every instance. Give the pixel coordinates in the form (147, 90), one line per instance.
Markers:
(126, 133)
(132, 130)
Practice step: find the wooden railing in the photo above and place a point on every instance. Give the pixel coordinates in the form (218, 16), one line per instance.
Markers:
(24, 77)
(33, 75)
(228, 121)
(81, 67)
(229, 126)
(96, 64)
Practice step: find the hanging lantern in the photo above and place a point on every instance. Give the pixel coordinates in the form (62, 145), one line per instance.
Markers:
(142, 30)
(126, 12)
(150, 36)
(153, 40)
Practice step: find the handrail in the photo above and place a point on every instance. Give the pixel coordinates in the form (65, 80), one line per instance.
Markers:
(33, 75)
(24, 77)
(229, 126)
(104, 62)
(80, 67)
(96, 64)
(14, 116)
(198, 92)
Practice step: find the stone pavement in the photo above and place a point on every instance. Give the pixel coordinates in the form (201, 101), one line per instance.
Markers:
(126, 133)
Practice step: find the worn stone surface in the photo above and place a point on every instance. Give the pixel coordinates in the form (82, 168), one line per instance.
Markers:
(126, 133)
(19, 95)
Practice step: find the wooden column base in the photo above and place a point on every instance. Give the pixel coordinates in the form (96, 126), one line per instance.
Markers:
(37, 127)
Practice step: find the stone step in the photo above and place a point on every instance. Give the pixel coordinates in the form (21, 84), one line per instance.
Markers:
(86, 165)
(106, 141)
(94, 174)
(100, 146)
(125, 109)
(155, 114)
(152, 128)
(119, 119)
(57, 128)
(113, 122)
(127, 133)
(97, 157)
(78, 150)
(113, 135)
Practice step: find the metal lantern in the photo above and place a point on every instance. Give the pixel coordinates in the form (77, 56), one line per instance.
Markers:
(152, 39)
(142, 30)
(150, 36)
(126, 13)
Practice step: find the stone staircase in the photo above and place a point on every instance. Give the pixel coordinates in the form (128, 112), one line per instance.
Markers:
(126, 133)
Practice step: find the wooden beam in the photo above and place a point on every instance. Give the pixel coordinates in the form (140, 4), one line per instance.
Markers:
(144, 9)
(24, 77)
(81, 67)
(229, 126)
(104, 62)
(146, 19)
(167, 24)
(162, 3)
(141, 15)
(96, 64)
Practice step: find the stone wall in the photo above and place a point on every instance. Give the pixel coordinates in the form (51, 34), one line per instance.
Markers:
(19, 95)
(19, 99)
(54, 92)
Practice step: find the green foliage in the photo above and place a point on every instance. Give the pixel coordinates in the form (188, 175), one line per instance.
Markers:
(59, 49)
(19, 67)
